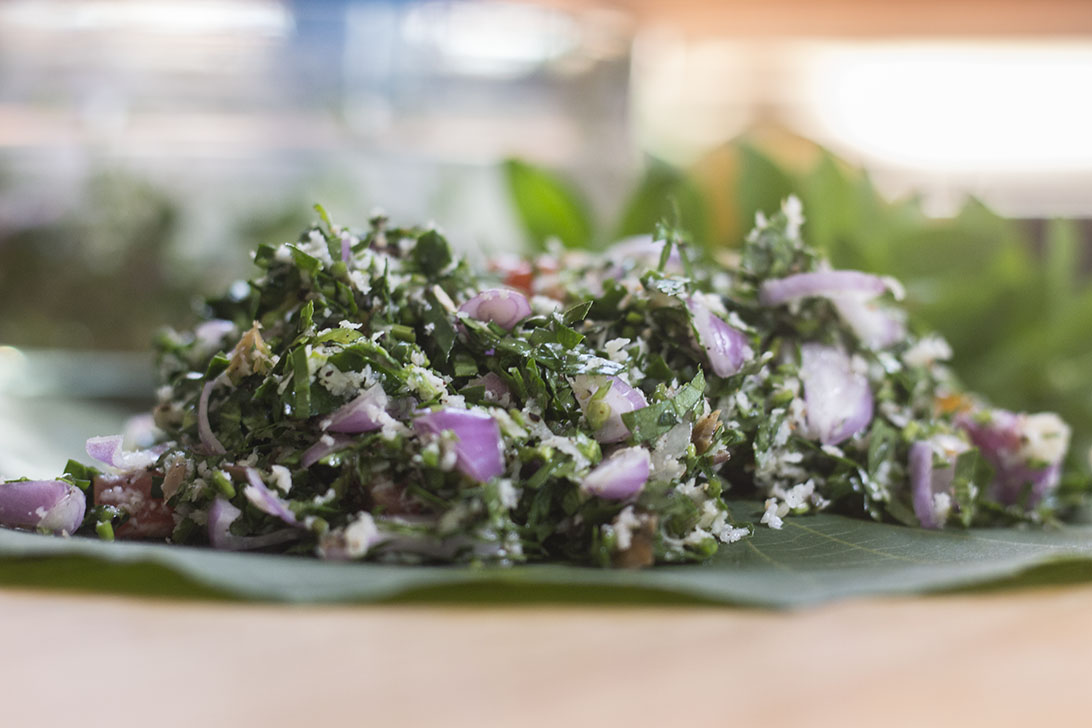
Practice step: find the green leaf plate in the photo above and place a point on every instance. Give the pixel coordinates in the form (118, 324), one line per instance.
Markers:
(813, 559)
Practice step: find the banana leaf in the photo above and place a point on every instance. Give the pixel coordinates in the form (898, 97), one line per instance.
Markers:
(813, 559)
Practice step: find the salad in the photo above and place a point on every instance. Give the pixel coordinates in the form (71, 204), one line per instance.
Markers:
(371, 395)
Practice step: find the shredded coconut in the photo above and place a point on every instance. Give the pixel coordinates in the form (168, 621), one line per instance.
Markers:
(926, 351)
(623, 525)
(774, 513)
(282, 478)
(1045, 438)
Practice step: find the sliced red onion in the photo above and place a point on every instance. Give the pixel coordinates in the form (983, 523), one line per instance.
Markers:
(51, 505)
(326, 445)
(366, 413)
(878, 327)
(1009, 485)
(926, 482)
(265, 500)
(619, 399)
(822, 283)
(726, 348)
(851, 292)
(996, 432)
(204, 429)
(108, 450)
(1008, 442)
(478, 448)
(621, 476)
(837, 397)
(502, 306)
(222, 514)
(346, 247)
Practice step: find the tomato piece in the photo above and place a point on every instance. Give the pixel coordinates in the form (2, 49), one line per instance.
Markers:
(517, 273)
(149, 517)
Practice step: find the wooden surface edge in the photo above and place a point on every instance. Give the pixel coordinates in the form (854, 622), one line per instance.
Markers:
(998, 659)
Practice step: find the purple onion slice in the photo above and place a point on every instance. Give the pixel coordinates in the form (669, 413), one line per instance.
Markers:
(621, 476)
(926, 482)
(51, 505)
(346, 247)
(266, 500)
(921, 484)
(366, 413)
(726, 348)
(1025, 450)
(220, 517)
(1012, 482)
(995, 432)
(478, 448)
(502, 306)
(326, 445)
(822, 283)
(108, 450)
(204, 429)
(619, 399)
(838, 398)
(929, 483)
(852, 293)
(878, 327)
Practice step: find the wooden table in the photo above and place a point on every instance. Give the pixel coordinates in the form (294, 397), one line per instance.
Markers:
(995, 660)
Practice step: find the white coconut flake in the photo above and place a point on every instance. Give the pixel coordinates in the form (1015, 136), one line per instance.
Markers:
(508, 493)
(942, 506)
(697, 536)
(616, 350)
(926, 351)
(623, 526)
(797, 497)
(774, 513)
(339, 383)
(1045, 438)
(360, 536)
(282, 478)
(424, 383)
(667, 456)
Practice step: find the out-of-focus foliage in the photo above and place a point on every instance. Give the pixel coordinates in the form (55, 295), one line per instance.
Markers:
(109, 271)
(1017, 310)
(548, 206)
(662, 192)
(95, 277)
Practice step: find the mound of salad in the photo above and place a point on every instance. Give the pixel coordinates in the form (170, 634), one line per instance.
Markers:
(371, 395)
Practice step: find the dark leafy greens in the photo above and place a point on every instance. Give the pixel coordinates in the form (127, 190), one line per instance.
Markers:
(371, 395)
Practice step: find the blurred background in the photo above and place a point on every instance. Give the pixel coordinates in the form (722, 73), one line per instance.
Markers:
(146, 146)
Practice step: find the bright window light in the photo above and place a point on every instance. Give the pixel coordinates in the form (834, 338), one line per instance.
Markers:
(492, 39)
(168, 17)
(1002, 107)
